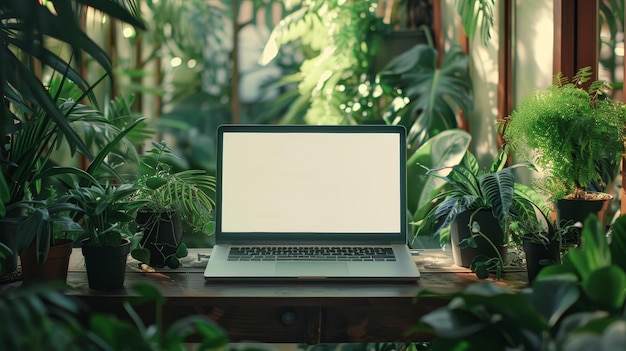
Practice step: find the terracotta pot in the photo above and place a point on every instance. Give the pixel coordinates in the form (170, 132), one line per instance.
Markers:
(459, 230)
(105, 265)
(55, 267)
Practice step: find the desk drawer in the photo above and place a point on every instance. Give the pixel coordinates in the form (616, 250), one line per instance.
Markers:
(374, 323)
(269, 324)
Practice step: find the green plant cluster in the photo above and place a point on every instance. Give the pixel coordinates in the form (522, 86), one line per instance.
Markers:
(574, 134)
(164, 188)
(467, 187)
(576, 305)
(52, 320)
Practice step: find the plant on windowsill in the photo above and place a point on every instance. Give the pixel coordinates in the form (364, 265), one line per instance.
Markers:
(174, 201)
(576, 136)
(477, 206)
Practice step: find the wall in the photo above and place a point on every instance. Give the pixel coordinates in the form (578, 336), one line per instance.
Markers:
(532, 63)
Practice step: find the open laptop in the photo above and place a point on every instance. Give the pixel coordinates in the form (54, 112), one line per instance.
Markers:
(311, 203)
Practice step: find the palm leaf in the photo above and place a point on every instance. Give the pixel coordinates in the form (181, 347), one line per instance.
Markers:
(477, 15)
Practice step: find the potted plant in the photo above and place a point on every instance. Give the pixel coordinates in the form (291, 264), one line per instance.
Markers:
(47, 256)
(107, 211)
(173, 200)
(577, 305)
(539, 238)
(575, 135)
(477, 206)
(33, 118)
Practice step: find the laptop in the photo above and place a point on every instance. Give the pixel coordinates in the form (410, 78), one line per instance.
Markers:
(304, 202)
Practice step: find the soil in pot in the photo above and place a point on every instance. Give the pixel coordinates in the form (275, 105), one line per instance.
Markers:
(105, 265)
(539, 255)
(162, 234)
(460, 230)
(55, 267)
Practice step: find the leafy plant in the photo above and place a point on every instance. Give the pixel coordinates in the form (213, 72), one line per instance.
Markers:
(167, 189)
(469, 188)
(47, 319)
(107, 211)
(164, 189)
(26, 28)
(574, 132)
(425, 97)
(47, 220)
(477, 16)
(580, 302)
(338, 40)
(443, 149)
(114, 334)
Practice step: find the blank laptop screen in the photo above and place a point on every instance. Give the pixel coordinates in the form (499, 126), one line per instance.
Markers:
(313, 182)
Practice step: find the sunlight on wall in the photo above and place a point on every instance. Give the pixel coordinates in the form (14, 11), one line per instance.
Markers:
(532, 64)
(533, 46)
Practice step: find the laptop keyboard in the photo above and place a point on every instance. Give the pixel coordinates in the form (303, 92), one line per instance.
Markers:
(311, 253)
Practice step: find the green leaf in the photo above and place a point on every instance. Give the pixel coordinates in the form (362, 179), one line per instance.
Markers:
(172, 262)
(141, 254)
(148, 292)
(155, 182)
(209, 228)
(618, 242)
(444, 149)
(553, 296)
(606, 287)
(181, 250)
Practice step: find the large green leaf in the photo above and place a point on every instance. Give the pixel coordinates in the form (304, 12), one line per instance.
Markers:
(498, 189)
(606, 287)
(477, 15)
(435, 93)
(618, 242)
(553, 296)
(444, 149)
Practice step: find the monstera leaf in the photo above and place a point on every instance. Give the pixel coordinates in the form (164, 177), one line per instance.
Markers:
(435, 93)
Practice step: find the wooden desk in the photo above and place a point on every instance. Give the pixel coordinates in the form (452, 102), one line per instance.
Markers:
(291, 312)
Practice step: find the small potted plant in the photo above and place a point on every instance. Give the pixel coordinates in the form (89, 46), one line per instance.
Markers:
(575, 136)
(107, 212)
(174, 200)
(539, 238)
(51, 231)
(476, 205)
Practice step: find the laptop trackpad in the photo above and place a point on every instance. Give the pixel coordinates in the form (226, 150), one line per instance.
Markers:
(311, 268)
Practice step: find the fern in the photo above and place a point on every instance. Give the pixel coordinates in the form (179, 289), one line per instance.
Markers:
(559, 80)
(582, 76)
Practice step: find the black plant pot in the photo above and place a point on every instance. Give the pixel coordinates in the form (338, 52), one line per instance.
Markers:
(162, 234)
(460, 230)
(539, 255)
(8, 234)
(570, 211)
(105, 265)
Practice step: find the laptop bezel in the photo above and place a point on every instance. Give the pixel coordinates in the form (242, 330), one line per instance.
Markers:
(313, 238)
